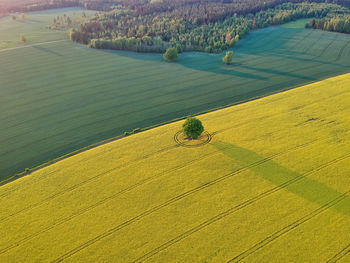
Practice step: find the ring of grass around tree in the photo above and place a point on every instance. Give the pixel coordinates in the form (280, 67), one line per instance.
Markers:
(181, 139)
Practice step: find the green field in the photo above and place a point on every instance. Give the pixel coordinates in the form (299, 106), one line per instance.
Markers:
(272, 185)
(59, 96)
(34, 27)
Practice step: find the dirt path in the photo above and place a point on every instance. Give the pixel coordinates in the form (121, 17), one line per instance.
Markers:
(33, 45)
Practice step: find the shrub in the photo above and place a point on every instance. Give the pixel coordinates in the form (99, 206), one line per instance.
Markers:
(136, 130)
(170, 54)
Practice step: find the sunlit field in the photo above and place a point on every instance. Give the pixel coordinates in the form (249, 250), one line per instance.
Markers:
(57, 96)
(273, 182)
(35, 27)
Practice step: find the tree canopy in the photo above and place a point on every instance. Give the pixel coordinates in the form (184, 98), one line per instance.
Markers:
(228, 58)
(332, 22)
(193, 26)
(193, 128)
(170, 54)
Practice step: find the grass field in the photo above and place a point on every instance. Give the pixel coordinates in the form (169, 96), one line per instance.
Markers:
(34, 27)
(271, 186)
(59, 96)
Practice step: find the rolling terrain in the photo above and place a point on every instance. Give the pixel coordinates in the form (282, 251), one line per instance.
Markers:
(57, 96)
(273, 182)
(34, 27)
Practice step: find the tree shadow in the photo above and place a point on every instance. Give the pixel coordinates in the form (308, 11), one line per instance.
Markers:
(155, 57)
(278, 72)
(300, 185)
(47, 50)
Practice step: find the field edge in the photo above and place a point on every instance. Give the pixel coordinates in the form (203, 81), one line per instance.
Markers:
(30, 170)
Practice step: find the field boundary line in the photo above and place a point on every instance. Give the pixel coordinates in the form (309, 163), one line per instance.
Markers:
(161, 104)
(339, 255)
(116, 138)
(97, 144)
(202, 94)
(83, 210)
(69, 189)
(235, 209)
(94, 145)
(87, 158)
(33, 45)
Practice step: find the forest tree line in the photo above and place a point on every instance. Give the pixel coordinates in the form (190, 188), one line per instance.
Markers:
(204, 10)
(123, 29)
(334, 22)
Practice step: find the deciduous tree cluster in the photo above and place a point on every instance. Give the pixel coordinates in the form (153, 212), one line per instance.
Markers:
(334, 22)
(130, 29)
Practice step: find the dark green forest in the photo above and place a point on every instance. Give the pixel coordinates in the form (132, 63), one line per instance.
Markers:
(188, 25)
(191, 29)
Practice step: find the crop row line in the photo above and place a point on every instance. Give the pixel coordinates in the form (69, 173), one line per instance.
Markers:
(263, 243)
(122, 66)
(104, 200)
(173, 200)
(133, 79)
(120, 166)
(341, 254)
(329, 44)
(180, 112)
(342, 51)
(150, 89)
(69, 189)
(77, 213)
(125, 65)
(161, 94)
(155, 106)
(143, 157)
(232, 104)
(33, 45)
(190, 73)
(232, 210)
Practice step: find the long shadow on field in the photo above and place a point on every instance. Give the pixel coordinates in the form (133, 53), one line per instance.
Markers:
(47, 50)
(155, 57)
(277, 72)
(300, 185)
(218, 67)
(314, 61)
(199, 61)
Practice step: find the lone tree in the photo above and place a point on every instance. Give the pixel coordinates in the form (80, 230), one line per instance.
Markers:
(170, 54)
(192, 128)
(23, 39)
(228, 58)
